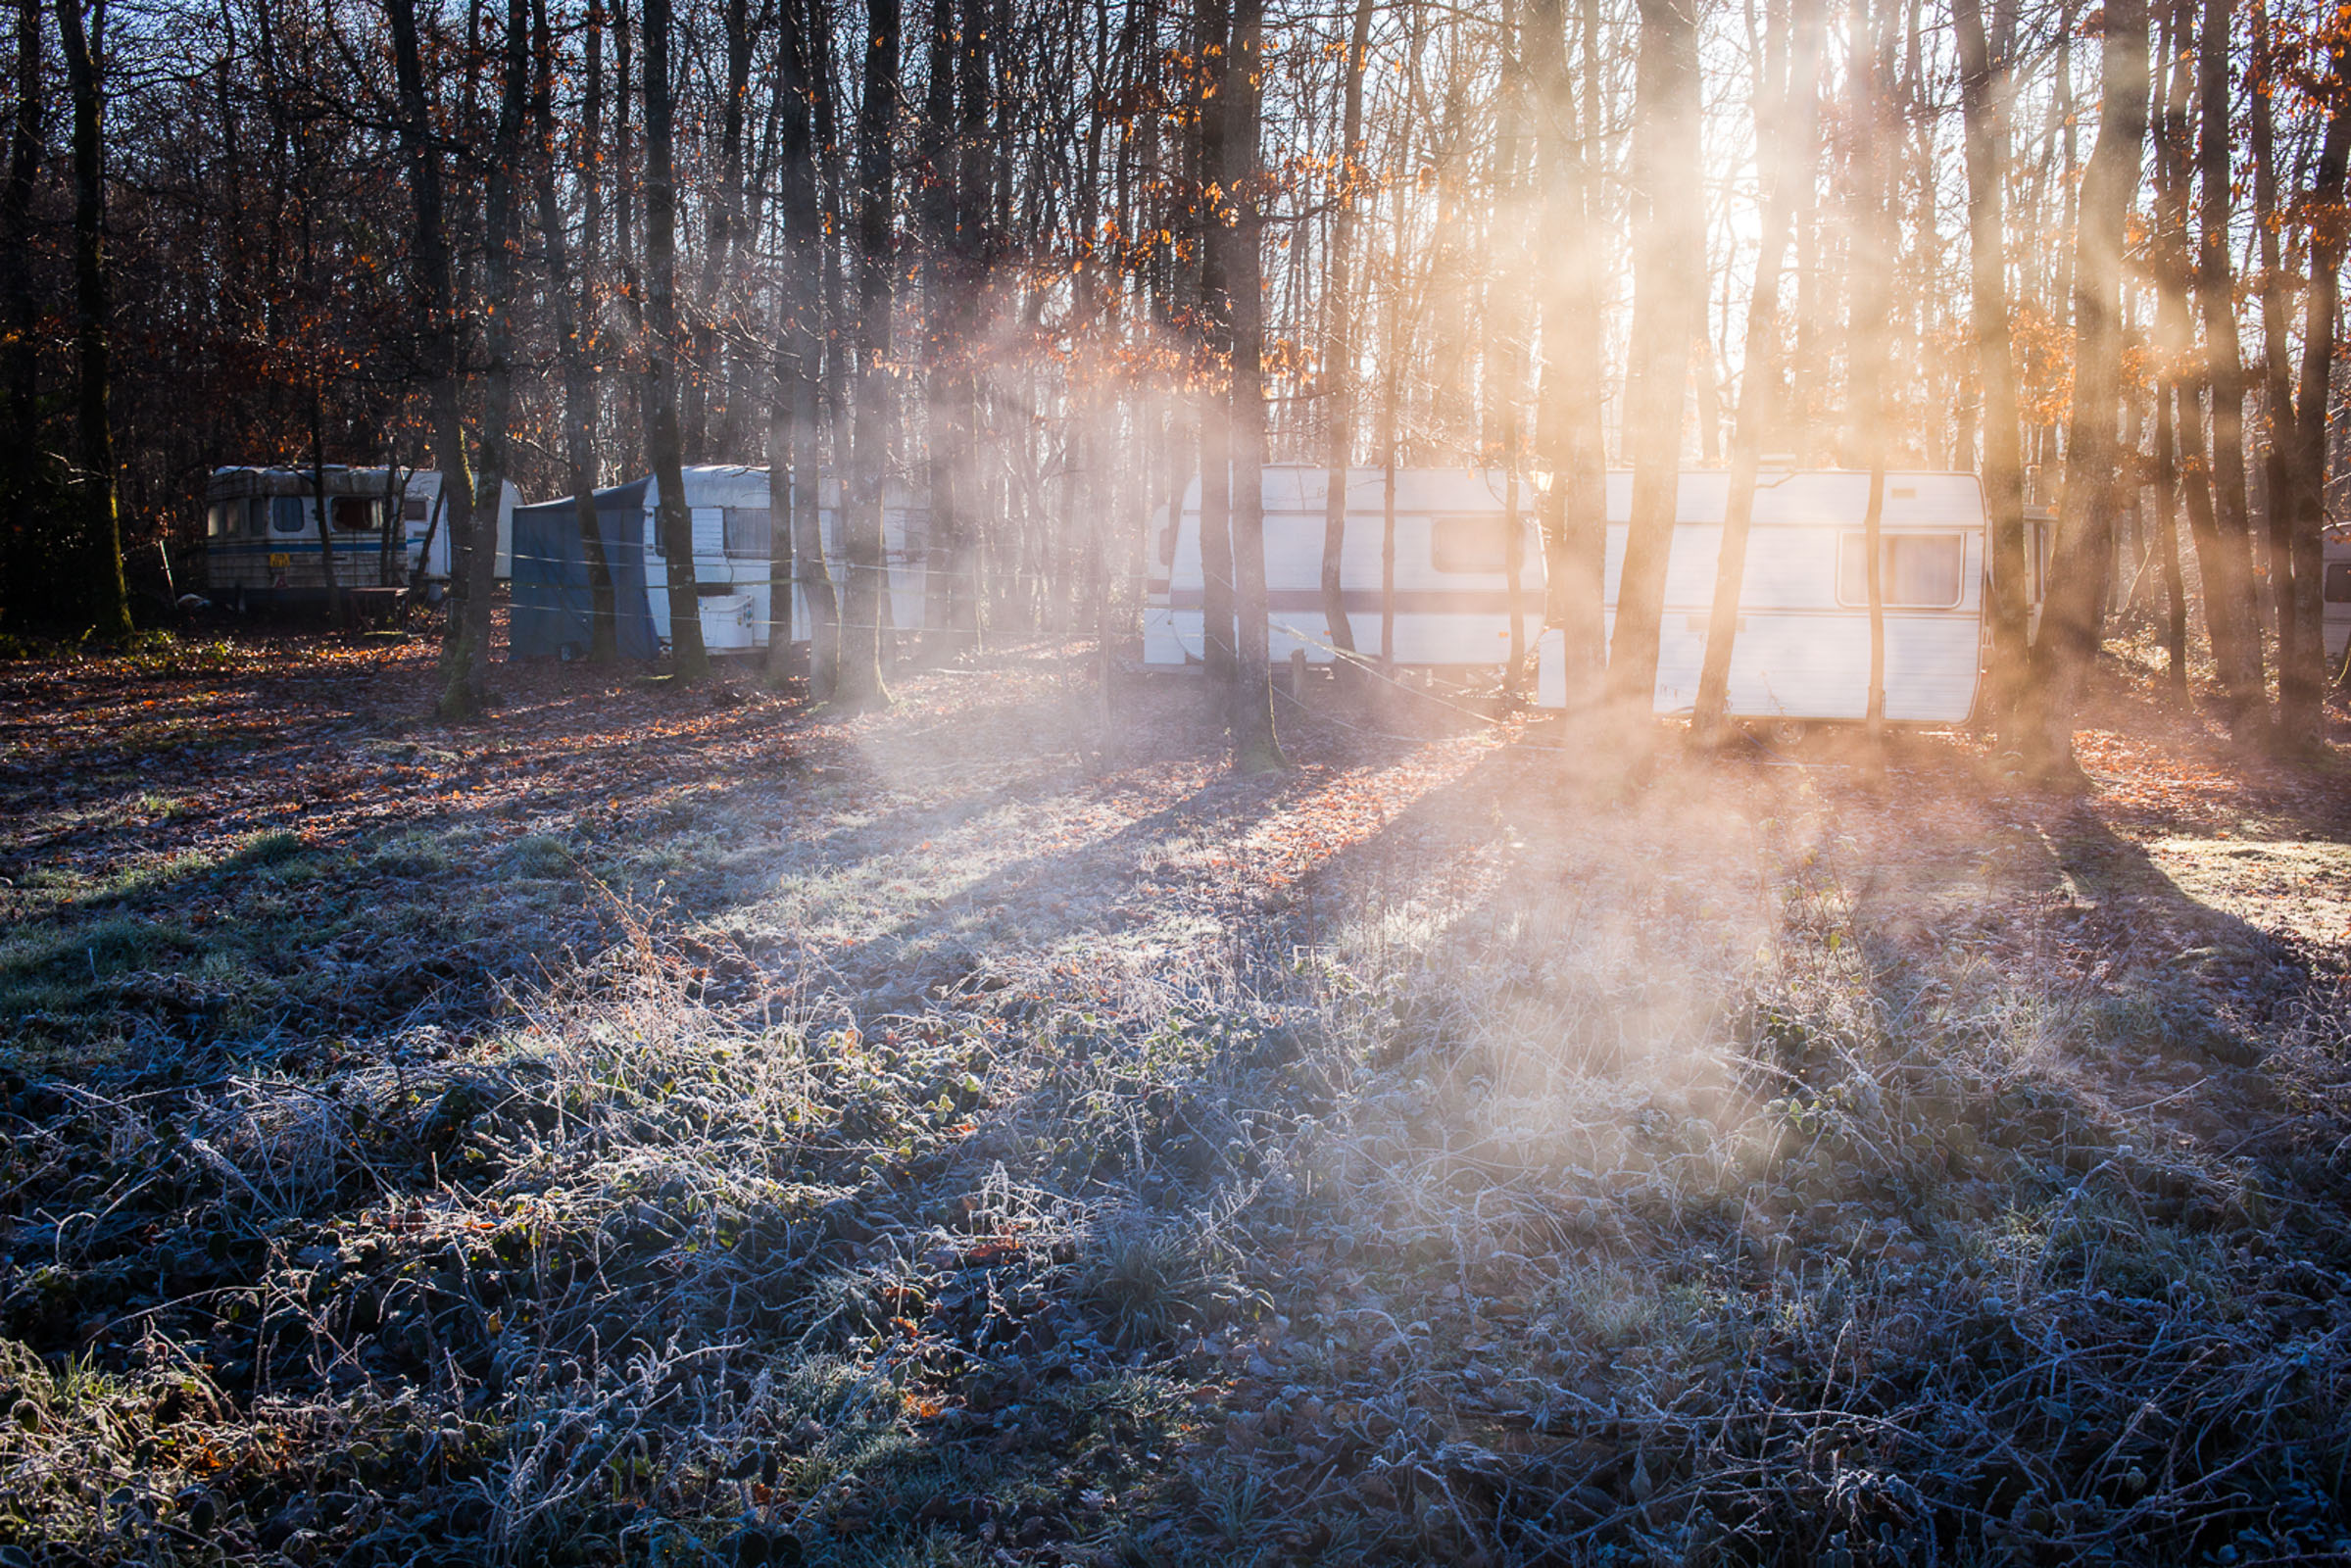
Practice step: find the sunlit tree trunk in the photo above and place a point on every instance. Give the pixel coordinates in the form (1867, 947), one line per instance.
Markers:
(1985, 86)
(501, 248)
(1668, 304)
(580, 389)
(434, 293)
(1251, 711)
(2178, 385)
(1867, 337)
(1217, 646)
(1785, 129)
(796, 549)
(94, 580)
(2232, 585)
(2299, 676)
(2166, 540)
(708, 379)
(691, 660)
(935, 210)
(2073, 617)
(973, 257)
(2306, 495)
(1338, 352)
(859, 683)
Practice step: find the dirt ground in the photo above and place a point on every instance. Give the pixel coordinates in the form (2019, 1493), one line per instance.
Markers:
(663, 1119)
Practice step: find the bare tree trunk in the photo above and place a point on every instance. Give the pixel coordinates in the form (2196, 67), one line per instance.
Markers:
(2176, 335)
(1501, 277)
(1250, 715)
(1573, 508)
(1668, 302)
(974, 254)
(1339, 355)
(2224, 375)
(2306, 497)
(796, 548)
(691, 660)
(579, 381)
(859, 683)
(1868, 345)
(707, 372)
(2299, 676)
(28, 531)
(934, 200)
(2074, 614)
(1785, 131)
(93, 581)
(2166, 540)
(435, 296)
(319, 509)
(1217, 644)
(1984, 88)
(498, 314)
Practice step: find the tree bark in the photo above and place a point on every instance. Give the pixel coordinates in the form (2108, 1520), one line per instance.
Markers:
(27, 558)
(2180, 381)
(1338, 352)
(580, 389)
(974, 254)
(1868, 337)
(437, 333)
(93, 583)
(501, 243)
(1217, 642)
(1251, 711)
(2225, 378)
(2306, 497)
(1668, 303)
(2073, 611)
(2299, 658)
(2166, 540)
(319, 507)
(1984, 87)
(795, 546)
(690, 659)
(1786, 131)
(1572, 509)
(858, 684)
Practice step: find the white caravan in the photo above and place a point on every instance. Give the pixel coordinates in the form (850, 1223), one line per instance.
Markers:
(1453, 582)
(1802, 651)
(729, 505)
(423, 520)
(262, 532)
(2336, 588)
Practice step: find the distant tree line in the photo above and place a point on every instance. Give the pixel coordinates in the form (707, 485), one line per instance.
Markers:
(1046, 263)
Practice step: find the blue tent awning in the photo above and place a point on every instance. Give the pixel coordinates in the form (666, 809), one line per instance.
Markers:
(553, 607)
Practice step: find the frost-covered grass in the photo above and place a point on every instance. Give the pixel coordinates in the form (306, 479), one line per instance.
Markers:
(1030, 1145)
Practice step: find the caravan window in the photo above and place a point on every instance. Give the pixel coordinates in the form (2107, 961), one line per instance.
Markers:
(1470, 543)
(221, 518)
(289, 513)
(1919, 570)
(747, 532)
(413, 508)
(2338, 583)
(354, 514)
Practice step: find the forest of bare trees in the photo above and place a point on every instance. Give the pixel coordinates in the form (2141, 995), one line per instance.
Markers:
(953, 1066)
(1047, 263)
